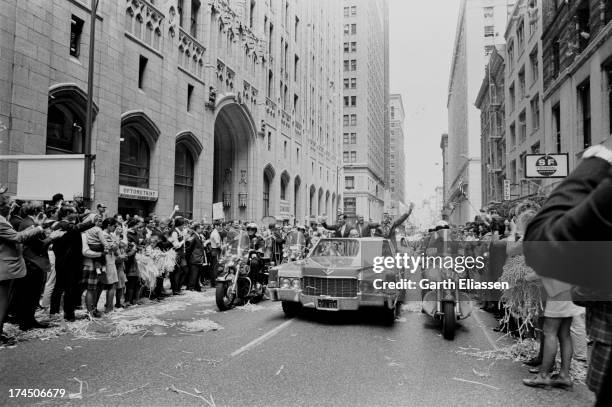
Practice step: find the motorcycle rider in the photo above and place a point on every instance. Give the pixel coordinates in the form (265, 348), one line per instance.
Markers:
(256, 249)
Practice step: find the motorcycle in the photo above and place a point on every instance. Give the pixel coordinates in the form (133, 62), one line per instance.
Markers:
(295, 246)
(235, 284)
(445, 303)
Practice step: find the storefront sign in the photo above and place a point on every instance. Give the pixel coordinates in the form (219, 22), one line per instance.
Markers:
(218, 211)
(506, 190)
(546, 165)
(141, 194)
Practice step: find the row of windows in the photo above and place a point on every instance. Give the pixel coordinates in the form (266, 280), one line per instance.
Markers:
(522, 123)
(349, 156)
(350, 101)
(350, 83)
(350, 65)
(349, 120)
(349, 138)
(350, 46)
(350, 11)
(350, 29)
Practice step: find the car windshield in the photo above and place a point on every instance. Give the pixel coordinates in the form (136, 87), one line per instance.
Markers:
(336, 247)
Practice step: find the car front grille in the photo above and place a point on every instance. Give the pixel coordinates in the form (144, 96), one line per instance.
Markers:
(333, 287)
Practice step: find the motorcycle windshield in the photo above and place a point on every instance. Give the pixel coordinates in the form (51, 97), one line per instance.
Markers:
(238, 244)
(296, 240)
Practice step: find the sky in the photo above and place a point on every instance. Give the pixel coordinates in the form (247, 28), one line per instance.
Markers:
(421, 36)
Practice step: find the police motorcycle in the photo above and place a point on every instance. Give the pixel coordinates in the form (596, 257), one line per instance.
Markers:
(295, 246)
(236, 284)
(445, 302)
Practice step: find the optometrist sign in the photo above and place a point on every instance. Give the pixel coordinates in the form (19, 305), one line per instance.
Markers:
(546, 165)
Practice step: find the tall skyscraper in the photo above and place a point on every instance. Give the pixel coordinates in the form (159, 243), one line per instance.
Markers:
(396, 156)
(480, 28)
(365, 102)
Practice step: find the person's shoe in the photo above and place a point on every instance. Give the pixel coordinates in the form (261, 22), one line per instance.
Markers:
(119, 306)
(40, 325)
(7, 340)
(533, 362)
(562, 383)
(538, 381)
(96, 314)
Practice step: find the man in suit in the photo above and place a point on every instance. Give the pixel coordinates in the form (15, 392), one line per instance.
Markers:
(29, 288)
(365, 228)
(341, 229)
(569, 240)
(195, 257)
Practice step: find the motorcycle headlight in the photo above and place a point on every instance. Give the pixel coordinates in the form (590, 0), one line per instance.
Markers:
(230, 263)
(295, 283)
(285, 283)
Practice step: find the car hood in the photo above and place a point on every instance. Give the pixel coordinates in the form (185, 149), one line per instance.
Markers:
(331, 267)
(293, 269)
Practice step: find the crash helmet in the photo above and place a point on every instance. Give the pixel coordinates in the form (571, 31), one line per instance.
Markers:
(251, 226)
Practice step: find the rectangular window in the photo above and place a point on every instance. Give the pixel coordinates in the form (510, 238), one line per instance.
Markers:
(556, 57)
(353, 11)
(353, 120)
(349, 182)
(353, 101)
(346, 101)
(346, 83)
(353, 64)
(269, 141)
(347, 29)
(345, 156)
(513, 171)
(556, 117)
(522, 127)
(345, 138)
(76, 28)
(189, 96)
(353, 156)
(284, 149)
(535, 112)
(520, 34)
(353, 29)
(345, 120)
(350, 206)
(489, 31)
(521, 80)
(346, 11)
(512, 135)
(142, 66)
(489, 12)
(353, 138)
(346, 47)
(533, 58)
(346, 65)
(584, 101)
(512, 97)
(353, 83)
(353, 46)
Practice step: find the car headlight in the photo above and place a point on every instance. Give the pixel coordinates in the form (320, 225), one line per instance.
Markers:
(285, 283)
(295, 283)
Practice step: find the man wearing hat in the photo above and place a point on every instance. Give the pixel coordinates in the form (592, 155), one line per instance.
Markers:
(278, 242)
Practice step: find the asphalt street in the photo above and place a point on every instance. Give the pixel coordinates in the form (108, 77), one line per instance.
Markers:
(254, 356)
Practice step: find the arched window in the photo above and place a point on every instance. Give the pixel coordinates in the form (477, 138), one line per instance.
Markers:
(283, 192)
(138, 26)
(149, 33)
(156, 38)
(129, 17)
(65, 130)
(183, 180)
(134, 159)
(266, 195)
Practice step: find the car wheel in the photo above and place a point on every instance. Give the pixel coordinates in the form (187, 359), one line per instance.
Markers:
(291, 309)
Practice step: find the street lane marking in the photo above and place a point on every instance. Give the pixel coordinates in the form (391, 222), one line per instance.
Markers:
(261, 339)
(484, 330)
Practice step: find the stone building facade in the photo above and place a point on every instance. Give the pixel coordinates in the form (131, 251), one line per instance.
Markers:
(397, 155)
(491, 103)
(577, 65)
(480, 28)
(195, 102)
(365, 103)
(524, 122)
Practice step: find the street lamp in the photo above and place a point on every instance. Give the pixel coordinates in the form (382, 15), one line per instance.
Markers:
(89, 108)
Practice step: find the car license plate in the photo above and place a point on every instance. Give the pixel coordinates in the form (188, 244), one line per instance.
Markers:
(327, 304)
